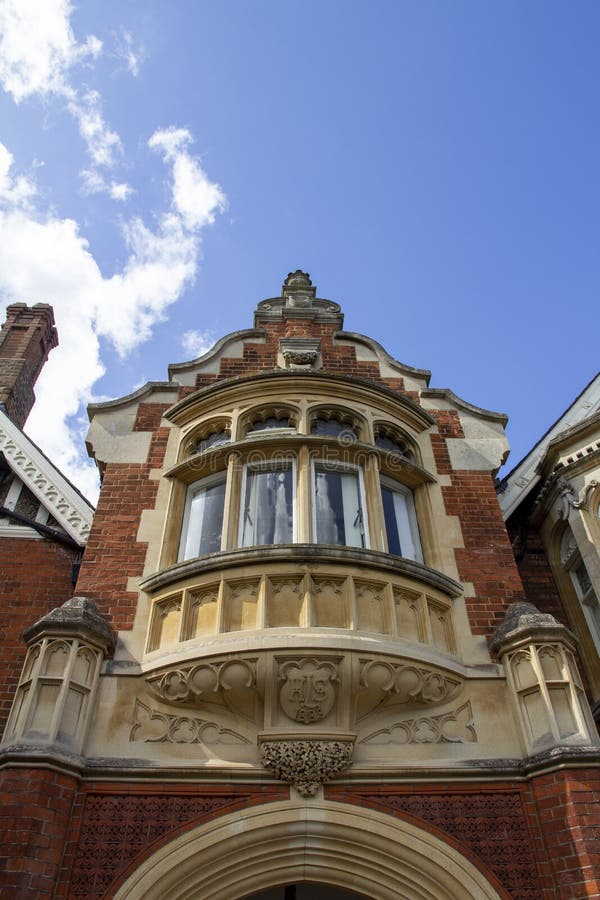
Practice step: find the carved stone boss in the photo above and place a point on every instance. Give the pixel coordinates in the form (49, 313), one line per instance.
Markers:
(306, 763)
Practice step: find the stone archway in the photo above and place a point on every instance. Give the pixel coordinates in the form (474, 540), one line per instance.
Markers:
(324, 842)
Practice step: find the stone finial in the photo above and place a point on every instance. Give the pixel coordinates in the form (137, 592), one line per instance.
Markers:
(79, 617)
(298, 289)
(523, 621)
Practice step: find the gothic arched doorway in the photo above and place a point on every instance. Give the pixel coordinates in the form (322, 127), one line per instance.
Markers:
(292, 843)
(307, 891)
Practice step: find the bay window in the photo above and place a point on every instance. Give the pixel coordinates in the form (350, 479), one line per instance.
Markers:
(265, 508)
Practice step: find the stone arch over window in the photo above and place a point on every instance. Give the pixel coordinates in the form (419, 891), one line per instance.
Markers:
(325, 842)
(337, 422)
(279, 418)
(207, 436)
(391, 439)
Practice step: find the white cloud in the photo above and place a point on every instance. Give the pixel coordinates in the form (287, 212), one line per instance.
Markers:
(38, 47)
(37, 52)
(195, 198)
(46, 259)
(119, 190)
(14, 191)
(103, 144)
(195, 343)
(93, 182)
(124, 50)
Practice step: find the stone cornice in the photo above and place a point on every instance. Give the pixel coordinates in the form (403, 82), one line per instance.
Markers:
(44, 480)
(300, 553)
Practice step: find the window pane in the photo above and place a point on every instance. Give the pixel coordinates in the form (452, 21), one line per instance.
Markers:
(204, 521)
(401, 541)
(268, 511)
(338, 509)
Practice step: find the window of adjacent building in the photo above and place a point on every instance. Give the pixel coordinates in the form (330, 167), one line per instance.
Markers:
(338, 506)
(580, 578)
(588, 599)
(203, 518)
(400, 520)
(267, 506)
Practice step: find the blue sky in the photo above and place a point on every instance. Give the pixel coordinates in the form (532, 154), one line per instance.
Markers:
(433, 165)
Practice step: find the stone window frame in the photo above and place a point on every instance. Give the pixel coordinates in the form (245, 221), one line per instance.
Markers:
(413, 521)
(302, 452)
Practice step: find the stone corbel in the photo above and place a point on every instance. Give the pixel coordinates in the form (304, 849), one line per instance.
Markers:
(299, 353)
(307, 764)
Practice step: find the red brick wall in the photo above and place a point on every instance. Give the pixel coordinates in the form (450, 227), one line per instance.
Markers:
(36, 811)
(533, 841)
(26, 339)
(113, 553)
(568, 810)
(35, 577)
(534, 568)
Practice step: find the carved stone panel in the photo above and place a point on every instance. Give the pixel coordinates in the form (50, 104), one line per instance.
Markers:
(307, 694)
(231, 683)
(454, 727)
(154, 726)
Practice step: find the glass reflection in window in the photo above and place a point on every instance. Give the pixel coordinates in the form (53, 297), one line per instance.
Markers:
(338, 507)
(268, 506)
(203, 519)
(400, 521)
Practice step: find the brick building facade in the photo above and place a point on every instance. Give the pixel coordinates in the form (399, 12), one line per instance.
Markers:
(302, 653)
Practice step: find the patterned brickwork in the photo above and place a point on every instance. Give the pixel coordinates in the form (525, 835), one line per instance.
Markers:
(36, 809)
(115, 830)
(36, 576)
(488, 826)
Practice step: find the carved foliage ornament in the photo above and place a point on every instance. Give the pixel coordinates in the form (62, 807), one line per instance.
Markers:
(306, 764)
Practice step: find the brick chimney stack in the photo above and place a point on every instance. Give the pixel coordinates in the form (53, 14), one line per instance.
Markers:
(26, 339)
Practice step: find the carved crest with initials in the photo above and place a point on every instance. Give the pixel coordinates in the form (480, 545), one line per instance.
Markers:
(307, 694)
